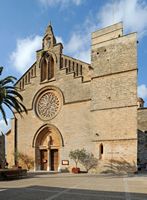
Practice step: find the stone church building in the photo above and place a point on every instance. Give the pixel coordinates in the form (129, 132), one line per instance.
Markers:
(73, 104)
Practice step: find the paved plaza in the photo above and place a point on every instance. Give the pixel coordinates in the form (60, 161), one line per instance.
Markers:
(44, 186)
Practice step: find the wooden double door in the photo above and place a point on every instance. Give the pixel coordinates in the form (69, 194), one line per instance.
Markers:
(44, 158)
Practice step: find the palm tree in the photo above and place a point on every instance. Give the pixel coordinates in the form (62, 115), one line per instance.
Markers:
(10, 97)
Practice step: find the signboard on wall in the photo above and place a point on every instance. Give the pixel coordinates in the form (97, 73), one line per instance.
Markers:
(65, 162)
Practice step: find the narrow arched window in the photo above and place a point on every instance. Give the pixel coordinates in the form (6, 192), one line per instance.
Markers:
(65, 63)
(29, 76)
(101, 150)
(61, 65)
(73, 66)
(69, 63)
(22, 84)
(32, 72)
(77, 66)
(26, 80)
(46, 67)
(44, 70)
(51, 68)
(80, 70)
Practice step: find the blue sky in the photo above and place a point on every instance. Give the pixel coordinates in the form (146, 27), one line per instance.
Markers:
(23, 23)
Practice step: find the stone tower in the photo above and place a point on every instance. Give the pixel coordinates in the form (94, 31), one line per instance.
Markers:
(114, 94)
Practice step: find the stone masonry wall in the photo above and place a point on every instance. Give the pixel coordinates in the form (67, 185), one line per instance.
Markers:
(142, 135)
(114, 93)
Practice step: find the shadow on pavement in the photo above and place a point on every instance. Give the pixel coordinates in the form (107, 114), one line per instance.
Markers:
(37, 192)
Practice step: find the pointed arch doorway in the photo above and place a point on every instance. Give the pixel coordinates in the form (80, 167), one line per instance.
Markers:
(47, 142)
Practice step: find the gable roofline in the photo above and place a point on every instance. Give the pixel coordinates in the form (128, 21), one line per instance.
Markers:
(77, 59)
(61, 55)
(25, 73)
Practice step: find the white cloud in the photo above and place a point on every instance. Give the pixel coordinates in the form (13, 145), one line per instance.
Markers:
(75, 42)
(142, 91)
(3, 127)
(59, 39)
(84, 55)
(133, 13)
(62, 3)
(24, 55)
(79, 46)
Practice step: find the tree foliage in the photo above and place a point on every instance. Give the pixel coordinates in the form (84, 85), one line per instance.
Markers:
(89, 161)
(76, 155)
(25, 159)
(10, 97)
(85, 158)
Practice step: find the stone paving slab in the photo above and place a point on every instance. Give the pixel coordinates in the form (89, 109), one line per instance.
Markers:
(74, 187)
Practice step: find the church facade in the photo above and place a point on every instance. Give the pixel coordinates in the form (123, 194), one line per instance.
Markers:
(73, 105)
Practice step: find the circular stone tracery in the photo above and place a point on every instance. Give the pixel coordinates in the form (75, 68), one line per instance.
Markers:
(48, 105)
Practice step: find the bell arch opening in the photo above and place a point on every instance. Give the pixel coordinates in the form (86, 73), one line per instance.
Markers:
(47, 142)
(44, 67)
(47, 67)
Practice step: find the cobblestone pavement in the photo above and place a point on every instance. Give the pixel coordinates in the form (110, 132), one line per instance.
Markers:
(44, 186)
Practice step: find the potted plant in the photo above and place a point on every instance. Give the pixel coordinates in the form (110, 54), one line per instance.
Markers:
(76, 155)
(89, 161)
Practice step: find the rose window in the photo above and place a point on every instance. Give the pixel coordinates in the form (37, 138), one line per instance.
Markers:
(48, 105)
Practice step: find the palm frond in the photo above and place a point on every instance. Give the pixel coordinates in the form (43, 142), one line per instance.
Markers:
(1, 69)
(3, 114)
(8, 79)
(23, 108)
(17, 105)
(9, 105)
(15, 93)
(10, 97)
(10, 87)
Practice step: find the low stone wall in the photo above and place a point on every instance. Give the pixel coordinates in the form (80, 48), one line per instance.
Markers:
(6, 174)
